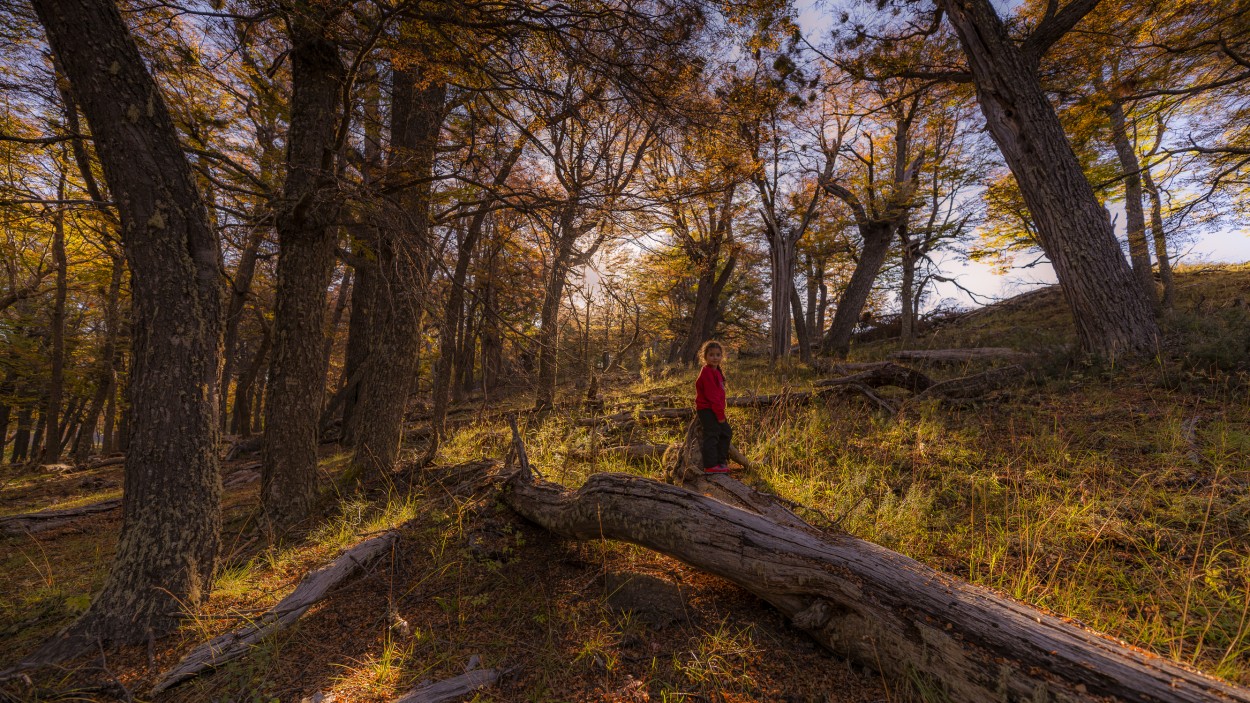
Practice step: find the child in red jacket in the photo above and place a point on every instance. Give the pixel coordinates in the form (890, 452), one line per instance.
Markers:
(709, 403)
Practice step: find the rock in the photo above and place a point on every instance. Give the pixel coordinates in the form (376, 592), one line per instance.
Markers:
(652, 601)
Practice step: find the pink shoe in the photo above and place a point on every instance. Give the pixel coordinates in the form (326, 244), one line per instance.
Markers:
(718, 469)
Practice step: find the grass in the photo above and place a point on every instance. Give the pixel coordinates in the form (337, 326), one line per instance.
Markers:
(1118, 496)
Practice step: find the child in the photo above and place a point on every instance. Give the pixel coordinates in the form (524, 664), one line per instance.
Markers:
(709, 403)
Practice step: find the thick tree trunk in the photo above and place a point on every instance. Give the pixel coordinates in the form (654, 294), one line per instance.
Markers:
(877, 607)
(402, 257)
(1112, 316)
(56, 379)
(706, 311)
(240, 287)
(1134, 217)
(306, 240)
(781, 260)
(876, 237)
(104, 373)
(1159, 235)
(167, 549)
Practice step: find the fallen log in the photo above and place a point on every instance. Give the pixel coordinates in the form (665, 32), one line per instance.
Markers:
(454, 689)
(310, 591)
(886, 373)
(50, 519)
(102, 463)
(974, 386)
(960, 356)
(875, 606)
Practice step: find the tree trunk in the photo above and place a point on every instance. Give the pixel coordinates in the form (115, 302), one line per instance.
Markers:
(21, 438)
(167, 549)
(707, 306)
(240, 287)
(1159, 235)
(549, 321)
(823, 304)
(241, 420)
(876, 237)
(1134, 218)
(877, 607)
(1112, 316)
(306, 240)
(800, 326)
(781, 259)
(104, 373)
(402, 256)
(340, 305)
(356, 354)
(810, 288)
(907, 292)
(455, 298)
(56, 379)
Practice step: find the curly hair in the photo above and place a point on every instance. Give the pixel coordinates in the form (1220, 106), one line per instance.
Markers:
(709, 344)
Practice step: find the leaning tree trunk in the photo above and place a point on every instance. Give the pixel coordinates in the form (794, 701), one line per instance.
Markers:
(1159, 235)
(454, 308)
(1112, 316)
(800, 326)
(306, 240)
(402, 256)
(549, 321)
(167, 549)
(1134, 217)
(706, 310)
(876, 236)
(883, 610)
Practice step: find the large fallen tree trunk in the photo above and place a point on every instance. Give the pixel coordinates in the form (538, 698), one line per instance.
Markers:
(310, 591)
(974, 386)
(886, 373)
(960, 356)
(879, 608)
(49, 519)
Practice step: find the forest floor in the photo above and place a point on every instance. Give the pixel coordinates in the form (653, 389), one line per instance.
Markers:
(1116, 495)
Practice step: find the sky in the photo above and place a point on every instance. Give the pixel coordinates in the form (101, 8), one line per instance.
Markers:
(816, 17)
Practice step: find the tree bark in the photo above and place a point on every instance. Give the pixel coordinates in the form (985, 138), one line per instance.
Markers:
(167, 549)
(1159, 235)
(306, 241)
(245, 393)
(21, 437)
(1134, 217)
(877, 607)
(876, 237)
(781, 261)
(402, 257)
(800, 326)
(1112, 316)
(549, 320)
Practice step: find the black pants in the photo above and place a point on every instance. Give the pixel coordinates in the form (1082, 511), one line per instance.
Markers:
(716, 436)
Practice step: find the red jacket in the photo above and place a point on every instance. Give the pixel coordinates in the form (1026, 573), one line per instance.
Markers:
(709, 391)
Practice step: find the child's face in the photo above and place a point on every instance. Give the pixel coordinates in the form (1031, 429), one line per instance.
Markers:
(712, 357)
